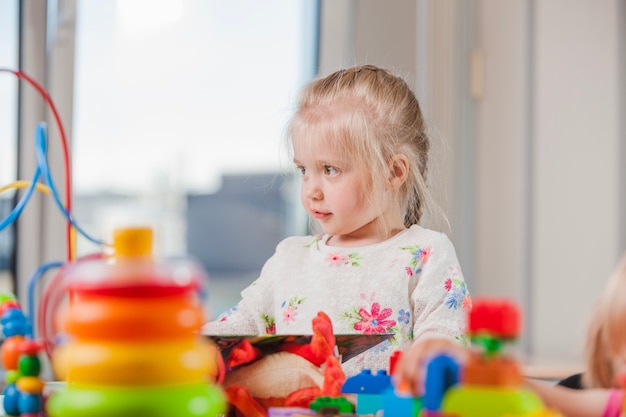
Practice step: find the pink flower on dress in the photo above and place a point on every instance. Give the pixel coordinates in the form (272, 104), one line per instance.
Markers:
(336, 259)
(448, 284)
(409, 271)
(290, 313)
(425, 254)
(467, 302)
(374, 321)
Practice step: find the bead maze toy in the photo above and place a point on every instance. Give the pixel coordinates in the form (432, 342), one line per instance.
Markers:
(132, 345)
(121, 330)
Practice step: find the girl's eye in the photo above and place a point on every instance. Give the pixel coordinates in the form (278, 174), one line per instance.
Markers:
(330, 171)
(302, 170)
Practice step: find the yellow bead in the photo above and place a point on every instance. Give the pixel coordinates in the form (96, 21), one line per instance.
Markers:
(30, 384)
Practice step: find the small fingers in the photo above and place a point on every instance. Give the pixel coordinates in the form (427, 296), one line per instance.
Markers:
(410, 373)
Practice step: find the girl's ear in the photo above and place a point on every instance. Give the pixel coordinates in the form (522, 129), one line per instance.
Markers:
(398, 171)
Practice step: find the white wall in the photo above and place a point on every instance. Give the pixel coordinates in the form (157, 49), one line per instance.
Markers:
(502, 227)
(576, 159)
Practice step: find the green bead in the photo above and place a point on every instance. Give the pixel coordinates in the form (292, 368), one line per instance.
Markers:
(29, 365)
(11, 376)
(6, 297)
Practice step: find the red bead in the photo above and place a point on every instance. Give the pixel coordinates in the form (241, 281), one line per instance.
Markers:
(7, 305)
(29, 347)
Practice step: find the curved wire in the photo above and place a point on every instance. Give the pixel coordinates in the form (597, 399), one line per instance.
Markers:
(50, 301)
(42, 161)
(32, 283)
(24, 184)
(17, 210)
(68, 188)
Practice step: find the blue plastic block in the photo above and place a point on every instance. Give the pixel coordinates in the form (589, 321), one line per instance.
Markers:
(367, 383)
(442, 372)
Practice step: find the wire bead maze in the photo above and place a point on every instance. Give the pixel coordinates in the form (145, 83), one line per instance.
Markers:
(123, 286)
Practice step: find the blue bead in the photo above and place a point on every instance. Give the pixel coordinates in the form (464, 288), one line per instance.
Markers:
(29, 403)
(10, 402)
(14, 328)
(12, 314)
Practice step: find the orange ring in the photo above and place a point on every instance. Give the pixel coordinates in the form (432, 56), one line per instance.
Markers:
(124, 319)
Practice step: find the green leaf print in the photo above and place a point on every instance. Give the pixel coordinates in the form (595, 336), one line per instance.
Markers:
(270, 323)
(354, 259)
(352, 316)
(316, 239)
(419, 257)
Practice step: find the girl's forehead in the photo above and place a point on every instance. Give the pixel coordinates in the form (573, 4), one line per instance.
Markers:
(317, 156)
(317, 147)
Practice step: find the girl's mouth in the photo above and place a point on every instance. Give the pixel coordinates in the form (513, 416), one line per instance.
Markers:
(320, 215)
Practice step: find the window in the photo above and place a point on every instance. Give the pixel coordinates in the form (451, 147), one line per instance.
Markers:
(9, 11)
(179, 109)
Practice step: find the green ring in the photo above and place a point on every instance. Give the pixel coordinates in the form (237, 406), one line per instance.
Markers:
(188, 400)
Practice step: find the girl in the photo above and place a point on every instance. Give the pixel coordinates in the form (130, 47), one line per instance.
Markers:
(605, 374)
(359, 141)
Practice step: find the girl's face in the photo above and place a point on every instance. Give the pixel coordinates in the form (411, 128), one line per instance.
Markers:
(335, 192)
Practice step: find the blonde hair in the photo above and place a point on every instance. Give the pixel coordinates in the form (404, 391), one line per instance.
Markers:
(606, 338)
(370, 115)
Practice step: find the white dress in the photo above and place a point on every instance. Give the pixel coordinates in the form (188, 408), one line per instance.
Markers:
(410, 285)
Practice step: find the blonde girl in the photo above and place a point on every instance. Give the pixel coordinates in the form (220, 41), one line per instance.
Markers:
(360, 144)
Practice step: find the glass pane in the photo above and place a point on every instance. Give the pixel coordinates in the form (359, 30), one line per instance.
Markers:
(179, 113)
(9, 23)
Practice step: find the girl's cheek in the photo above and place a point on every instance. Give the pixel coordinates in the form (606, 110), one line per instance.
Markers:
(619, 370)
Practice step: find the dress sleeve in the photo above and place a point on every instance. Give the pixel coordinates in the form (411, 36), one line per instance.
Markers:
(253, 315)
(440, 297)
(613, 407)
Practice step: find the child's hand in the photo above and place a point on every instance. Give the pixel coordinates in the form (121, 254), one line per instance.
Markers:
(409, 373)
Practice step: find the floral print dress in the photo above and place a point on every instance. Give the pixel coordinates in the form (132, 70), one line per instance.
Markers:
(410, 285)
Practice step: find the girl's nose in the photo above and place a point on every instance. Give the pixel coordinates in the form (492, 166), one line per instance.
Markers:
(311, 189)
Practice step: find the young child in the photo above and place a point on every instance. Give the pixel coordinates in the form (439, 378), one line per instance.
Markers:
(605, 372)
(606, 338)
(359, 141)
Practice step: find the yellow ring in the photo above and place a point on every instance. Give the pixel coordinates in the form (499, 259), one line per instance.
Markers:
(138, 363)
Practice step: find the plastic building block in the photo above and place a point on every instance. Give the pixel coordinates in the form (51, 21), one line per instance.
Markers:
(442, 372)
(393, 360)
(499, 318)
(367, 383)
(492, 370)
(368, 388)
(335, 405)
(483, 401)
(400, 404)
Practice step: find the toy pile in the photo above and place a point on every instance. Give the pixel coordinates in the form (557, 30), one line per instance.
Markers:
(132, 347)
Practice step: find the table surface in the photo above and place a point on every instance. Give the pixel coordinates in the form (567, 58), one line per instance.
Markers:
(550, 369)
